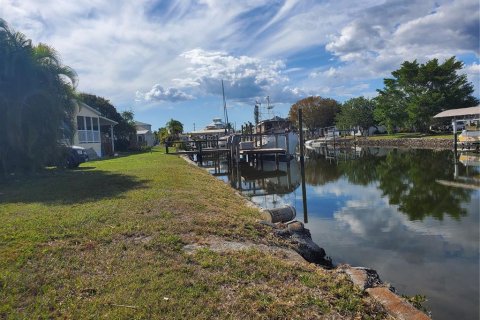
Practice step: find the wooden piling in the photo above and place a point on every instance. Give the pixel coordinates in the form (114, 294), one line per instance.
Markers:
(302, 167)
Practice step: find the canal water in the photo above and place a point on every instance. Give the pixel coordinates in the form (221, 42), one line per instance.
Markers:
(412, 215)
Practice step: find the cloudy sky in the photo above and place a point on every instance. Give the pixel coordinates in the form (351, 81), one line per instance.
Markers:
(166, 59)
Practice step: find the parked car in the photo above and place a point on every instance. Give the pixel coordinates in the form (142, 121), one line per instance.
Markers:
(69, 157)
(74, 156)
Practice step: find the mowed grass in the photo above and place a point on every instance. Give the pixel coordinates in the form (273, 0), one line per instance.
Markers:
(106, 241)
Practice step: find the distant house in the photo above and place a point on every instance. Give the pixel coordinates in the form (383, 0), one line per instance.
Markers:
(93, 131)
(145, 135)
(371, 130)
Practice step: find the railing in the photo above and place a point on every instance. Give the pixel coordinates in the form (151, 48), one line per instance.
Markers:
(192, 145)
(258, 141)
(87, 136)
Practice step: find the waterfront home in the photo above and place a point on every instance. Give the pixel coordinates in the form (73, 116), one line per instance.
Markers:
(145, 136)
(93, 131)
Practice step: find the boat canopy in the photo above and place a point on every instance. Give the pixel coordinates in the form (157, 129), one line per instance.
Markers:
(472, 111)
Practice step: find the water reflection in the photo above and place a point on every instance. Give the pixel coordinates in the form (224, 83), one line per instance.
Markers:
(405, 213)
(437, 258)
(265, 178)
(408, 178)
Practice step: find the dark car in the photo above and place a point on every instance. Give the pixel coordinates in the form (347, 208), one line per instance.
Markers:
(74, 155)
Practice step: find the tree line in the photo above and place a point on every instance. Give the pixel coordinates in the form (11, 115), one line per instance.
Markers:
(408, 101)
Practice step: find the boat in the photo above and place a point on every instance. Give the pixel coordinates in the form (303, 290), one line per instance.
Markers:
(217, 131)
(314, 143)
(469, 138)
(331, 133)
(276, 132)
(470, 159)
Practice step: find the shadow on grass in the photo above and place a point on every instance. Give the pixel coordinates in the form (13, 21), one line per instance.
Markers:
(69, 187)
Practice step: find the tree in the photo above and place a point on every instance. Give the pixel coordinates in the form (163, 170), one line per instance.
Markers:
(128, 117)
(36, 102)
(102, 105)
(419, 91)
(175, 127)
(256, 113)
(162, 135)
(317, 112)
(356, 112)
(125, 130)
(390, 107)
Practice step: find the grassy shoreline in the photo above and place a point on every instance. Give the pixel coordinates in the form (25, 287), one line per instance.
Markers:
(107, 241)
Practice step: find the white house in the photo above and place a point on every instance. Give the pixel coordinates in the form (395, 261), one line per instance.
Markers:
(88, 132)
(144, 134)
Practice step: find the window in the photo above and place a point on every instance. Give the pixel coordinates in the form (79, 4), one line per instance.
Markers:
(80, 123)
(95, 124)
(88, 120)
(88, 129)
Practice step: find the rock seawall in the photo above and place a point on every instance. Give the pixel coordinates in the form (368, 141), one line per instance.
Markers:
(415, 143)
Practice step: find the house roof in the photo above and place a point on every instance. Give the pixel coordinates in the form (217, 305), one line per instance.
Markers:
(84, 105)
(459, 112)
(143, 131)
(103, 120)
(138, 123)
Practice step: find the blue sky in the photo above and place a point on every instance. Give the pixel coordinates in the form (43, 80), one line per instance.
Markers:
(166, 59)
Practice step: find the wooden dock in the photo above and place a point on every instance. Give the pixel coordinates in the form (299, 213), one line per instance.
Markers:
(259, 151)
(234, 148)
(203, 151)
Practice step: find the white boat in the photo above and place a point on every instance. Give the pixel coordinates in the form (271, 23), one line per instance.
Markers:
(331, 134)
(469, 159)
(314, 143)
(278, 133)
(217, 132)
(469, 136)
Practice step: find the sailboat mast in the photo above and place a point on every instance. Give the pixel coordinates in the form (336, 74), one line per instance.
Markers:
(225, 113)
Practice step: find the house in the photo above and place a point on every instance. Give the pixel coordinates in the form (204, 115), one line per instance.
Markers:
(93, 131)
(145, 135)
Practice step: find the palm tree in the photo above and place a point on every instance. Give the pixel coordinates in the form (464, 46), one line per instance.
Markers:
(36, 97)
(175, 127)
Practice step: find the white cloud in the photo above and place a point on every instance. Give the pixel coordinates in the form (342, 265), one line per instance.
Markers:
(158, 93)
(383, 36)
(452, 27)
(121, 47)
(473, 74)
(245, 78)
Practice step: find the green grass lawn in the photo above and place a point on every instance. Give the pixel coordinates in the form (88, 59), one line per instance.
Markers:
(105, 241)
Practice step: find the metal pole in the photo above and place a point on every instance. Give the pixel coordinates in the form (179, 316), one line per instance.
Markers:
(302, 167)
(287, 144)
(113, 140)
(454, 125)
